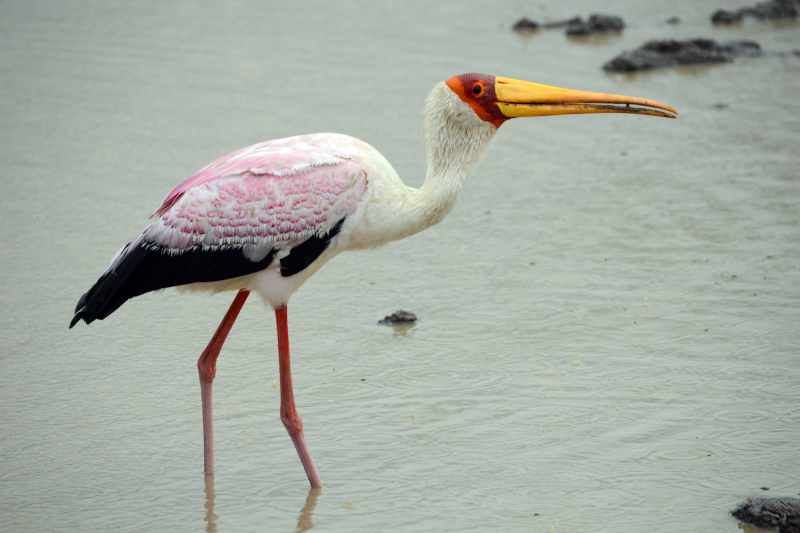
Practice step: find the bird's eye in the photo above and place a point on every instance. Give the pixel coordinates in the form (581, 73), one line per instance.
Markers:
(477, 89)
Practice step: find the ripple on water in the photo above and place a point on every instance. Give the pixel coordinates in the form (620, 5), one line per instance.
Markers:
(628, 391)
(754, 441)
(746, 480)
(541, 440)
(685, 381)
(684, 454)
(748, 336)
(230, 442)
(612, 493)
(734, 416)
(565, 281)
(455, 379)
(469, 332)
(771, 381)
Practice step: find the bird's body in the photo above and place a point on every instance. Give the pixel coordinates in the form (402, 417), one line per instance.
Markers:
(285, 207)
(265, 218)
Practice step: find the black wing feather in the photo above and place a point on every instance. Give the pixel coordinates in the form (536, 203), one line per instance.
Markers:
(149, 267)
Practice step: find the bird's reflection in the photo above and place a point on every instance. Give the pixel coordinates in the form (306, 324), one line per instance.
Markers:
(211, 518)
(305, 522)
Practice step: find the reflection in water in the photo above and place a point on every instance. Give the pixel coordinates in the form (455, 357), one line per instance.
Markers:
(211, 518)
(750, 529)
(305, 521)
(401, 330)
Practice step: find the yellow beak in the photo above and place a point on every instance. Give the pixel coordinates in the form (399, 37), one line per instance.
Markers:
(517, 98)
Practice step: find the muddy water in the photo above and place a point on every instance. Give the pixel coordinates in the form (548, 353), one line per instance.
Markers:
(608, 320)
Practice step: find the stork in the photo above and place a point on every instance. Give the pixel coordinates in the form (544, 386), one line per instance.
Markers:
(265, 218)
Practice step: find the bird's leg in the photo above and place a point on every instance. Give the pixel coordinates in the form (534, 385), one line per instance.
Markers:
(207, 368)
(289, 416)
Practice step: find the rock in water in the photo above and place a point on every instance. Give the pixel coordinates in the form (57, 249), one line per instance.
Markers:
(772, 10)
(525, 25)
(782, 514)
(595, 24)
(398, 317)
(671, 53)
(725, 17)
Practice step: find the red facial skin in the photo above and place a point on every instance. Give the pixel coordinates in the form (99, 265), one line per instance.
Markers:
(477, 90)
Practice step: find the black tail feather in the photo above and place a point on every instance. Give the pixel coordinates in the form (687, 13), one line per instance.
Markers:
(144, 267)
(147, 268)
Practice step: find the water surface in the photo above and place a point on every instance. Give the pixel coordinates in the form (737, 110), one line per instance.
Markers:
(608, 319)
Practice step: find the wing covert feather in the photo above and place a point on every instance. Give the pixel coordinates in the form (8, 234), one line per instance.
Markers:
(263, 197)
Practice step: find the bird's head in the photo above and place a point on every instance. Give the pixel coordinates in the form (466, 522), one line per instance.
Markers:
(495, 99)
(462, 114)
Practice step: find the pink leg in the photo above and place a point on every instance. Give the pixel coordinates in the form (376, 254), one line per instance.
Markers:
(207, 367)
(289, 416)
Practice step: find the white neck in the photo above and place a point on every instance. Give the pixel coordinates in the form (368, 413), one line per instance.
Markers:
(455, 141)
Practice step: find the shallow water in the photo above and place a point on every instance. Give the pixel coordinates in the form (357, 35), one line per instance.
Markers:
(608, 320)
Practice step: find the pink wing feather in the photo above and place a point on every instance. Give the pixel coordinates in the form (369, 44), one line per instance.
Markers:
(245, 212)
(271, 195)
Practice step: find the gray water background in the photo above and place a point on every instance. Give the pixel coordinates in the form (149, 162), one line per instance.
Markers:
(608, 321)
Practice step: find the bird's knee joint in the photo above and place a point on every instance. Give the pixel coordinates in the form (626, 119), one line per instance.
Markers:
(292, 421)
(207, 370)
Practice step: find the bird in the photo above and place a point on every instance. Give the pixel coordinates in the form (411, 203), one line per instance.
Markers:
(265, 218)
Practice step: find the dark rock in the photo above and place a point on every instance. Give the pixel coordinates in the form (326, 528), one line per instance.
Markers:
(781, 514)
(606, 23)
(721, 105)
(742, 48)
(579, 29)
(671, 53)
(596, 24)
(725, 17)
(673, 20)
(771, 10)
(398, 317)
(525, 24)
